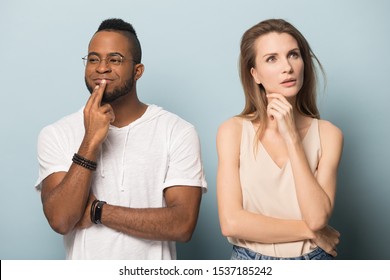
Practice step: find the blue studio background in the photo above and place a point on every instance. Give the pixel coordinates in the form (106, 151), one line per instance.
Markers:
(190, 51)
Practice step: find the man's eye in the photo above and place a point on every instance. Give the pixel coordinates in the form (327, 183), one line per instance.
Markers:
(115, 60)
(93, 60)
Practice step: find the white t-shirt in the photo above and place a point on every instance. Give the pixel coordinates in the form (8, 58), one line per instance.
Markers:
(136, 164)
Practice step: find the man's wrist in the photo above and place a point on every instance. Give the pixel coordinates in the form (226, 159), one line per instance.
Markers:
(89, 150)
(97, 211)
(84, 162)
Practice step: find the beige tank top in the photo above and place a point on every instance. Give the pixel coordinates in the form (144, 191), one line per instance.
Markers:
(270, 190)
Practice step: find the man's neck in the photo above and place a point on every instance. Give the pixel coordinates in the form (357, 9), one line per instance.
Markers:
(127, 110)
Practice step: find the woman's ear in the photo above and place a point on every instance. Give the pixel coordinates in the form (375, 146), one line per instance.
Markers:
(255, 76)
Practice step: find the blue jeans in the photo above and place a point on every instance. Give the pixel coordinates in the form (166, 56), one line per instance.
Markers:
(240, 253)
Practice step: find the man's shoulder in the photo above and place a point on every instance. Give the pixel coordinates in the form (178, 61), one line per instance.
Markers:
(170, 117)
(69, 122)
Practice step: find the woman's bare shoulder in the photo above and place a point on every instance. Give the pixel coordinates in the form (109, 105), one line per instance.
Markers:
(332, 140)
(234, 123)
(328, 129)
(229, 139)
(230, 130)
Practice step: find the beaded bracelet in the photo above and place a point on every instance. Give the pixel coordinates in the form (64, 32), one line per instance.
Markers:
(86, 163)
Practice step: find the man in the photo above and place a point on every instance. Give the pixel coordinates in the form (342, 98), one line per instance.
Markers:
(120, 179)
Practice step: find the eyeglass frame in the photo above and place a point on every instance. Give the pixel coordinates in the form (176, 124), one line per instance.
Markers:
(123, 58)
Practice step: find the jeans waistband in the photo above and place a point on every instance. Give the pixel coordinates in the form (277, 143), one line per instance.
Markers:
(244, 253)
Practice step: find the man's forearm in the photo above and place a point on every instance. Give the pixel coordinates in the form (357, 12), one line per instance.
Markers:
(64, 197)
(150, 223)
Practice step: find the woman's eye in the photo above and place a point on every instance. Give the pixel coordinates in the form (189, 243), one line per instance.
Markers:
(271, 59)
(294, 55)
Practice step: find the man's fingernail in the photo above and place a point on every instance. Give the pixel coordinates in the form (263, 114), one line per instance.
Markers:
(103, 81)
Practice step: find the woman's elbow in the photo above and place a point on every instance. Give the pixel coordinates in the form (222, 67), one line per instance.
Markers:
(226, 231)
(317, 223)
(228, 227)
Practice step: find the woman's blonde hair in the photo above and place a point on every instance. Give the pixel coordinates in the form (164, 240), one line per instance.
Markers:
(255, 98)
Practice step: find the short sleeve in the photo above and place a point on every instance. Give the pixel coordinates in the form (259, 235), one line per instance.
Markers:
(185, 166)
(51, 155)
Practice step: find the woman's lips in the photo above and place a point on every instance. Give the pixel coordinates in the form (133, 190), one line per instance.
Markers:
(289, 82)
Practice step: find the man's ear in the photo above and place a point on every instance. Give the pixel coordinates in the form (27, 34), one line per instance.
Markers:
(139, 70)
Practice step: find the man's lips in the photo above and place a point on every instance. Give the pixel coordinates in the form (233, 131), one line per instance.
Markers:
(99, 80)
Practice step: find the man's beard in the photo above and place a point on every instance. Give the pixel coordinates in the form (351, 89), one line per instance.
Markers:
(111, 96)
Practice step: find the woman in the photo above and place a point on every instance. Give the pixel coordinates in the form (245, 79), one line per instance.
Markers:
(277, 161)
